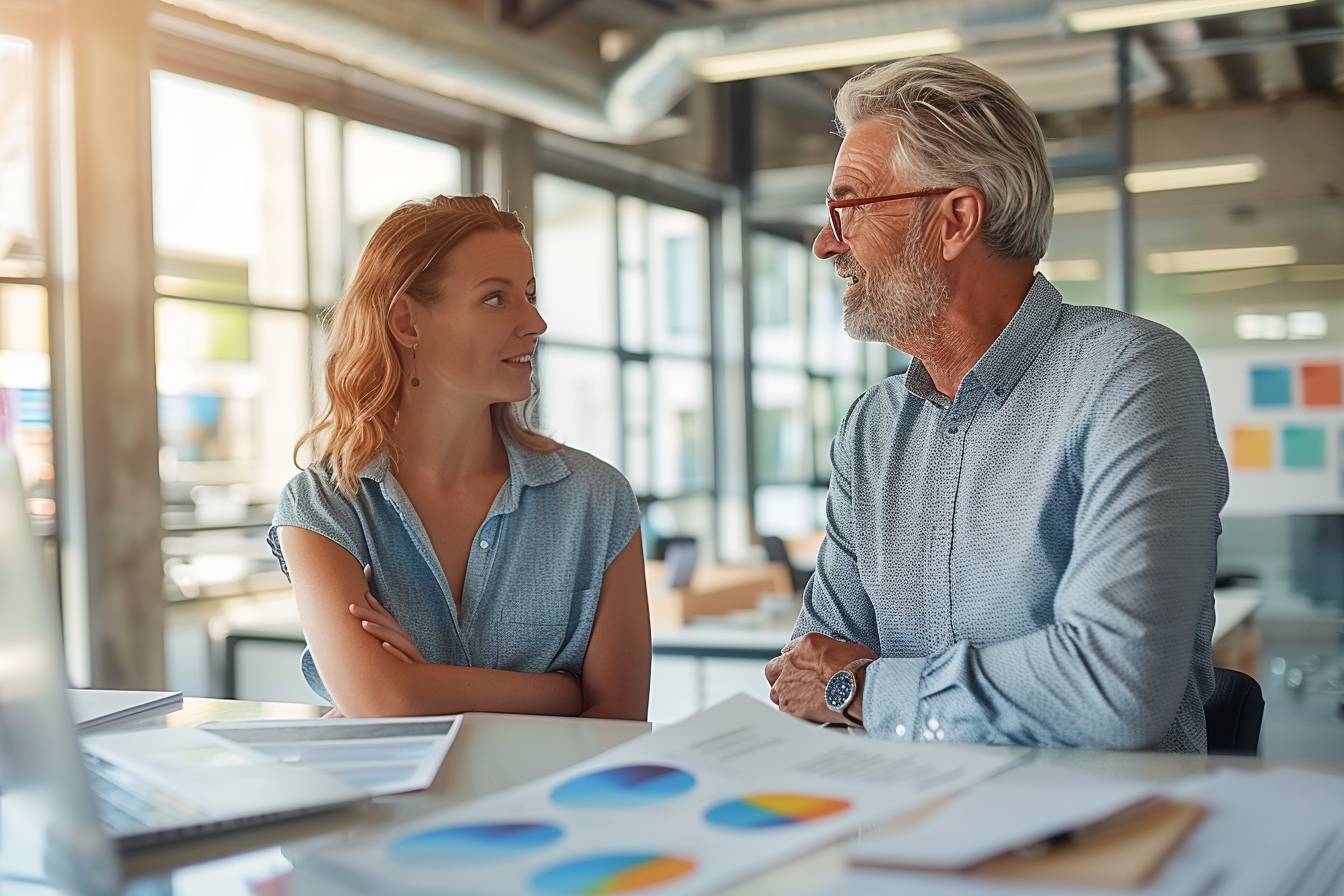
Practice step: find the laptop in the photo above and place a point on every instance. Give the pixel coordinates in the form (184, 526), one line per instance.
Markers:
(68, 807)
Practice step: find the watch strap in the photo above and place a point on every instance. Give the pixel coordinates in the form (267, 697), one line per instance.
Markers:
(853, 669)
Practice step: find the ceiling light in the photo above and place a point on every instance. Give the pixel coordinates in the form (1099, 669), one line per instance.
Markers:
(1129, 15)
(1260, 326)
(1216, 282)
(1184, 176)
(1073, 202)
(823, 55)
(1074, 270)
(1306, 325)
(1199, 260)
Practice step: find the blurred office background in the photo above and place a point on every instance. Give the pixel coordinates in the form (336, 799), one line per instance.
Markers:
(185, 187)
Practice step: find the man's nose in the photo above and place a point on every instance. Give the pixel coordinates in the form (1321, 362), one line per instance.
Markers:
(826, 246)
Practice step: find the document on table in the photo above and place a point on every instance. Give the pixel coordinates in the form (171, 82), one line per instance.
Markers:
(379, 756)
(1023, 806)
(1273, 833)
(689, 808)
(96, 708)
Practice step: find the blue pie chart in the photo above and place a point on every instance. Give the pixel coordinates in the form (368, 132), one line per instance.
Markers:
(473, 841)
(623, 787)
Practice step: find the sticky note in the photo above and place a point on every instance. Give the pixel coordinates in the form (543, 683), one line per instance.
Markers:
(1303, 447)
(1322, 385)
(1271, 387)
(1252, 447)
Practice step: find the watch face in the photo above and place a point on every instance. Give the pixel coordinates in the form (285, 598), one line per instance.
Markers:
(840, 690)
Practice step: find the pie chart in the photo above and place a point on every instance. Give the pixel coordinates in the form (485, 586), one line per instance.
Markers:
(625, 872)
(773, 810)
(623, 787)
(473, 841)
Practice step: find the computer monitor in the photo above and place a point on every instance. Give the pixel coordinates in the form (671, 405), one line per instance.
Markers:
(49, 829)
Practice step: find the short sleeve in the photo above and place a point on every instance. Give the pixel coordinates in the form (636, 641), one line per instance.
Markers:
(625, 517)
(311, 501)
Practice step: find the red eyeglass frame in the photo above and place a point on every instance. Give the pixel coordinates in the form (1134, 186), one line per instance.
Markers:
(833, 206)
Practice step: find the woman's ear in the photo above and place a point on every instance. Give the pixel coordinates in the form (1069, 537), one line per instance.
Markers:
(401, 321)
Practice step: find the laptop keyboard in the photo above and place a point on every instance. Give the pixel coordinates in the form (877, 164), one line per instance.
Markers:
(127, 803)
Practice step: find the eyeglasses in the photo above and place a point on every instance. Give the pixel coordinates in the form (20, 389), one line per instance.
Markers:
(833, 206)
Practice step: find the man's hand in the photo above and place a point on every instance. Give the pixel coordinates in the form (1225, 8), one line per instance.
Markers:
(798, 676)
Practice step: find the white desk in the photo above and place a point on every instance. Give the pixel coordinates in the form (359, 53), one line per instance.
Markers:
(494, 752)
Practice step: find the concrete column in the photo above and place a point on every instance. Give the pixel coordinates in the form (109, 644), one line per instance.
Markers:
(111, 563)
(508, 167)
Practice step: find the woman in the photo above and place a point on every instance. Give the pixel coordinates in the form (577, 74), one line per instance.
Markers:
(445, 557)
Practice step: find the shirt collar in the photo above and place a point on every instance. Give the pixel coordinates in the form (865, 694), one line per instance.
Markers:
(527, 469)
(1004, 362)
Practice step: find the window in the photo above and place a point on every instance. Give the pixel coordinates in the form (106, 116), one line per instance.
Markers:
(806, 371)
(26, 403)
(260, 211)
(625, 364)
(1252, 274)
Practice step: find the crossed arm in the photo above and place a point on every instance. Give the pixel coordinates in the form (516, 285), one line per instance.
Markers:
(372, 668)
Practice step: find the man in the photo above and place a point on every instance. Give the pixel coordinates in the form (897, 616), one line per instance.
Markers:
(1021, 529)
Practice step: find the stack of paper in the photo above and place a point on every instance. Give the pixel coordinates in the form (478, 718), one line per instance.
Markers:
(1271, 833)
(1020, 808)
(379, 756)
(96, 709)
(690, 808)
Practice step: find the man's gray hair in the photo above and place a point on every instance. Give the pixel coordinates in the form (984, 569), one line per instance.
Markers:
(958, 125)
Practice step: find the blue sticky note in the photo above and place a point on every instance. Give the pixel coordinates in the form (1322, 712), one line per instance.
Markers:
(1304, 447)
(1271, 387)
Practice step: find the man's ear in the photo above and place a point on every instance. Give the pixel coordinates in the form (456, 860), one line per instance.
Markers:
(961, 215)
(401, 321)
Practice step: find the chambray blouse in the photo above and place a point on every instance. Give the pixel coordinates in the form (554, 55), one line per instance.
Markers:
(533, 575)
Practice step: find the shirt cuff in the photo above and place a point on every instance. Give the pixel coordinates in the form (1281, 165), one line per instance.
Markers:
(890, 696)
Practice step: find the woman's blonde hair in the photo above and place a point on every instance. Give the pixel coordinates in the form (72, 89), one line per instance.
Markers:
(407, 255)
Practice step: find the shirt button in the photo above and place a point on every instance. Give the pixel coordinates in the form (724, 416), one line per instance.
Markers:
(484, 543)
(952, 430)
(900, 731)
(933, 724)
(940, 735)
(928, 735)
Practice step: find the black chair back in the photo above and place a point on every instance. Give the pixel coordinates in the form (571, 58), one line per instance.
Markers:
(776, 552)
(1234, 713)
(662, 543)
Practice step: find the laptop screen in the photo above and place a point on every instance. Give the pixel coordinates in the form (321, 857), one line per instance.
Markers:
(48, 827)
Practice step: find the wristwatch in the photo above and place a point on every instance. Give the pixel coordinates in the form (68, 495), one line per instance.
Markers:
(842, 687)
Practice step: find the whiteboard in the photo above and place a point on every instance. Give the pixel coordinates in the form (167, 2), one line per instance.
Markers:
(1280, 422)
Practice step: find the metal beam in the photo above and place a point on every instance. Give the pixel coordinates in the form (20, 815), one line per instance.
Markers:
(1121, 256)
(1317, 62)
(546, 13)
(1239, 69)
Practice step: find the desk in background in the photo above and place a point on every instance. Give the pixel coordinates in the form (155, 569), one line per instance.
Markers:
(719, 656)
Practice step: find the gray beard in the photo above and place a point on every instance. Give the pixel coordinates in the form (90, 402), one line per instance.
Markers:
(899, 302)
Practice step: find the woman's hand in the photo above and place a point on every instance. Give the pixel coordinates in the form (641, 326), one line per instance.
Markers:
(381, 625)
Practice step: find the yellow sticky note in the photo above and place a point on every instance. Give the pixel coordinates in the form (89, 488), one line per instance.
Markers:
(1252, 447)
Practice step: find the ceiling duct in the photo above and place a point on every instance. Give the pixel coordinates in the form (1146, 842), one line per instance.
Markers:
(432, 46)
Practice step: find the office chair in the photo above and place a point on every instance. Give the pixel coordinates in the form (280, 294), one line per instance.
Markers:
(776, 552)
(1234, 713)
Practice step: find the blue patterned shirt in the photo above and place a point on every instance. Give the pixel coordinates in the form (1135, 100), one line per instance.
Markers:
(1033, 561)
(534, 573)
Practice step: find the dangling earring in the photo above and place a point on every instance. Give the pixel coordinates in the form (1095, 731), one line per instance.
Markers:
(415, 370)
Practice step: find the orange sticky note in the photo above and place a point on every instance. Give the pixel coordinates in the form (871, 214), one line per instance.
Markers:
(1322, 385)
(1252, 447)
